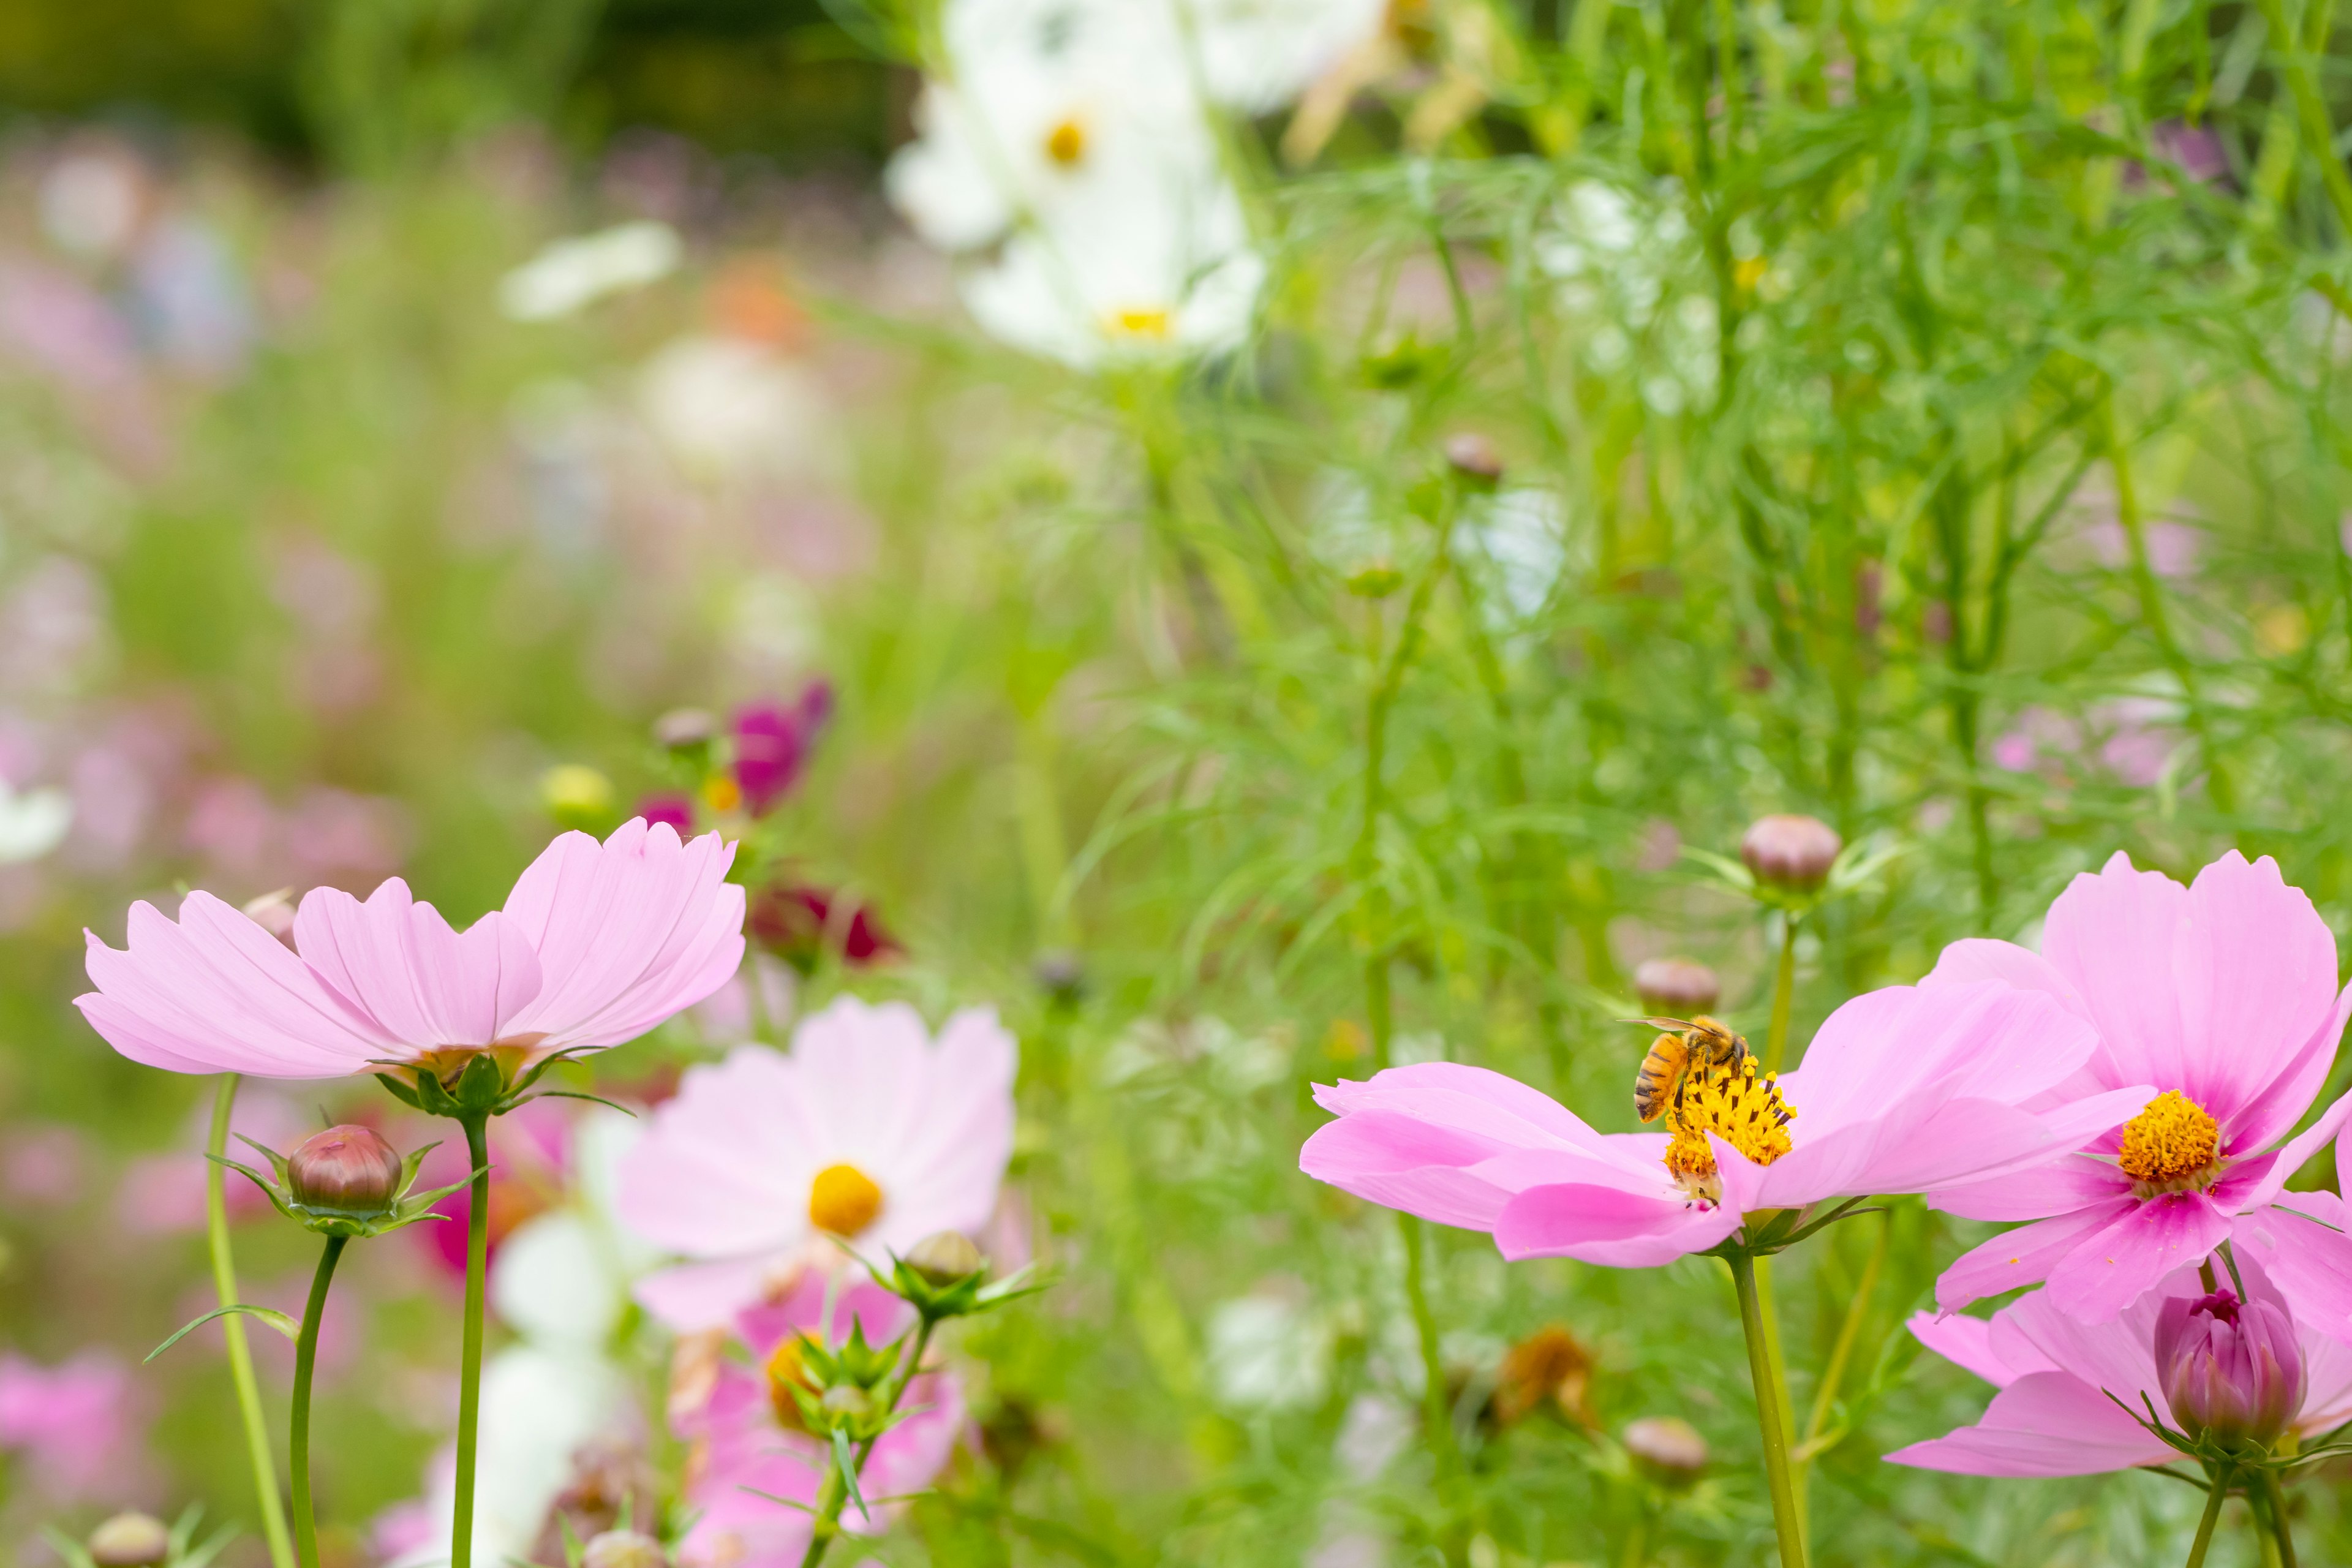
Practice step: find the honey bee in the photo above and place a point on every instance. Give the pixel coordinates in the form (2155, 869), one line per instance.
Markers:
(1701, 1042)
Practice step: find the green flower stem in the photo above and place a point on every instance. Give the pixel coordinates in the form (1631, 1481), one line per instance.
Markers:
(1784, 992)
(240, 1353)
(470, 1365)
(1840, 1354)
(832, 1496)
(1769, 1400)
(306, 1355)
(2279, 1527)
(2311, 109)
(2216, 1494)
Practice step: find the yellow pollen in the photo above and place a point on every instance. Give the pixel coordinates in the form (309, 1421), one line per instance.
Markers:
(1066, 144)
(2171, 1144)
(844, 1200)
(1143, 323)
(787, 1370)
(1738, 1105)
(720, 794)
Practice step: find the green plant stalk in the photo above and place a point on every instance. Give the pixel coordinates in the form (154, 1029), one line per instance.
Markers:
(1770, 1401)
(298, 1444)
(2277, 1510)
(1841, 1354)
(240, 1352)
(831, 1496)
(2310, 108)
(2217, 1493)
(469, 1363)
(1784, 993)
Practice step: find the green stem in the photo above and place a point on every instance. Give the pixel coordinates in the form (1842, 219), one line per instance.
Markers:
(2217, 1493)
(1840, 1354)
(306, 1355)
(1436, 1412)
(2279, 1527)
(240, 1353)
(1768, 1398)
(2310, 108)
(832, 1496)
(469, 1365)
(1784, 991)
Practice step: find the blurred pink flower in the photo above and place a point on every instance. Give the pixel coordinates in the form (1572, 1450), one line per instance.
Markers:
(1903, 1090)
(52, 625)
(598, 943)
(42, 1164)
(1661, 847)
(2060, 1380)
(868, 1129)
(163, 1193)
(772, 741)
(728, 1014)
(2172, 547)
(2221, 996)
(673, 807)
(74, 1427)
(2138, 744)
(746, 1450)
(530, 1160)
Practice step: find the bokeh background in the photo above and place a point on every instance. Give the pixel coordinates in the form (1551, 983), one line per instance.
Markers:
(2016, 534)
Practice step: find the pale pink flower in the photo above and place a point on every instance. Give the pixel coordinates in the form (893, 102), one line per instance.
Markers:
(74, 1427)
(2054, 1416)
(868, 1129)
(598, 943)
(747, 1450)
(1900, 1089)
(162, 1193)
(2222, 995)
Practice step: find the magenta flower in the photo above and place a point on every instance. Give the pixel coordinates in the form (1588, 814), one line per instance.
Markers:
(1901, 1089)
(773, 742)
(672, 806)
(868, 1131)
(2231, 1368)
(73, 1426)
(2054, 1416)
(2222, 995)
(598, 943)
(746, 1447)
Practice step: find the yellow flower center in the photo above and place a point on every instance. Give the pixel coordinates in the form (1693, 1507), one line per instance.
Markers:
(1066, 144)
(1738, 1105)
(787, 1370)
(1154, 324)
(844, 1200)
(2169, 1146)
(721, 793)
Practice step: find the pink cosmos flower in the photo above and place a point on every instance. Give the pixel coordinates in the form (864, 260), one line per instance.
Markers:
(598, 943)
(1900, 1089)
(747, 1450)
(868, 1129)
(772, 741)
(2054, 1416)
(73, 1425)
(2222, 995)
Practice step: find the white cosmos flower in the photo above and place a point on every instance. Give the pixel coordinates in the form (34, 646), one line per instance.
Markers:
(32, 823)
(1258, 54)
(572, 273)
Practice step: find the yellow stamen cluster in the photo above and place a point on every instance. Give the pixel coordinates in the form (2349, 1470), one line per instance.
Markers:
(787, 1370)
(1066, 144)
(1153, 324)
(1736, 1104)
(843, 1200)
(2170, 1145)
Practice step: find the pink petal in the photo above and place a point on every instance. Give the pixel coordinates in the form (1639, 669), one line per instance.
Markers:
(1403, 1162)
(1608, 1225)
(2257, 983)
(215, 993)
(706, 1178)
(2060, 1188)
(2301, 1242)
(397, 962)
(2272, 1113)
(1974, 960)
(2116, 937)
(1965, 1343)
(2020, 1257)
(2297, 1153)
(2045, 1423)
(1911, 1045)
(692, 1297)
(628, 932)
(1475, 1099)
(2114, 1267)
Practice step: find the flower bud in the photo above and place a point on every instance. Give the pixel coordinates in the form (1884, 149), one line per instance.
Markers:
(622, 1549)
(2231, 1369)
(1792, 852)
(130, 1541)
(1668, 1451)
(274, 912)
(1474, 459)
(684, 729)
(1679, 987)
(345, 1171)
(945, 1257)
(1061, 975)
(846, 1400)
(576, 795)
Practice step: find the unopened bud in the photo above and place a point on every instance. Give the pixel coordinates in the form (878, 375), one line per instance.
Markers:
(346, 1171)
(274, 912)
(2231, 1370)
(1794, 852)
(576, 795)
(130, 1541)
(1474, 459)
(1678, 987)
(622, 1549)
(1061, 975)
(945, 1257)
(1670, 1452)
(846, 1399)
(683, 729)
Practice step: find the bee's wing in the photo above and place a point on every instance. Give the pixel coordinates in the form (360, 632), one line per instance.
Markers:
(1662, 1023)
